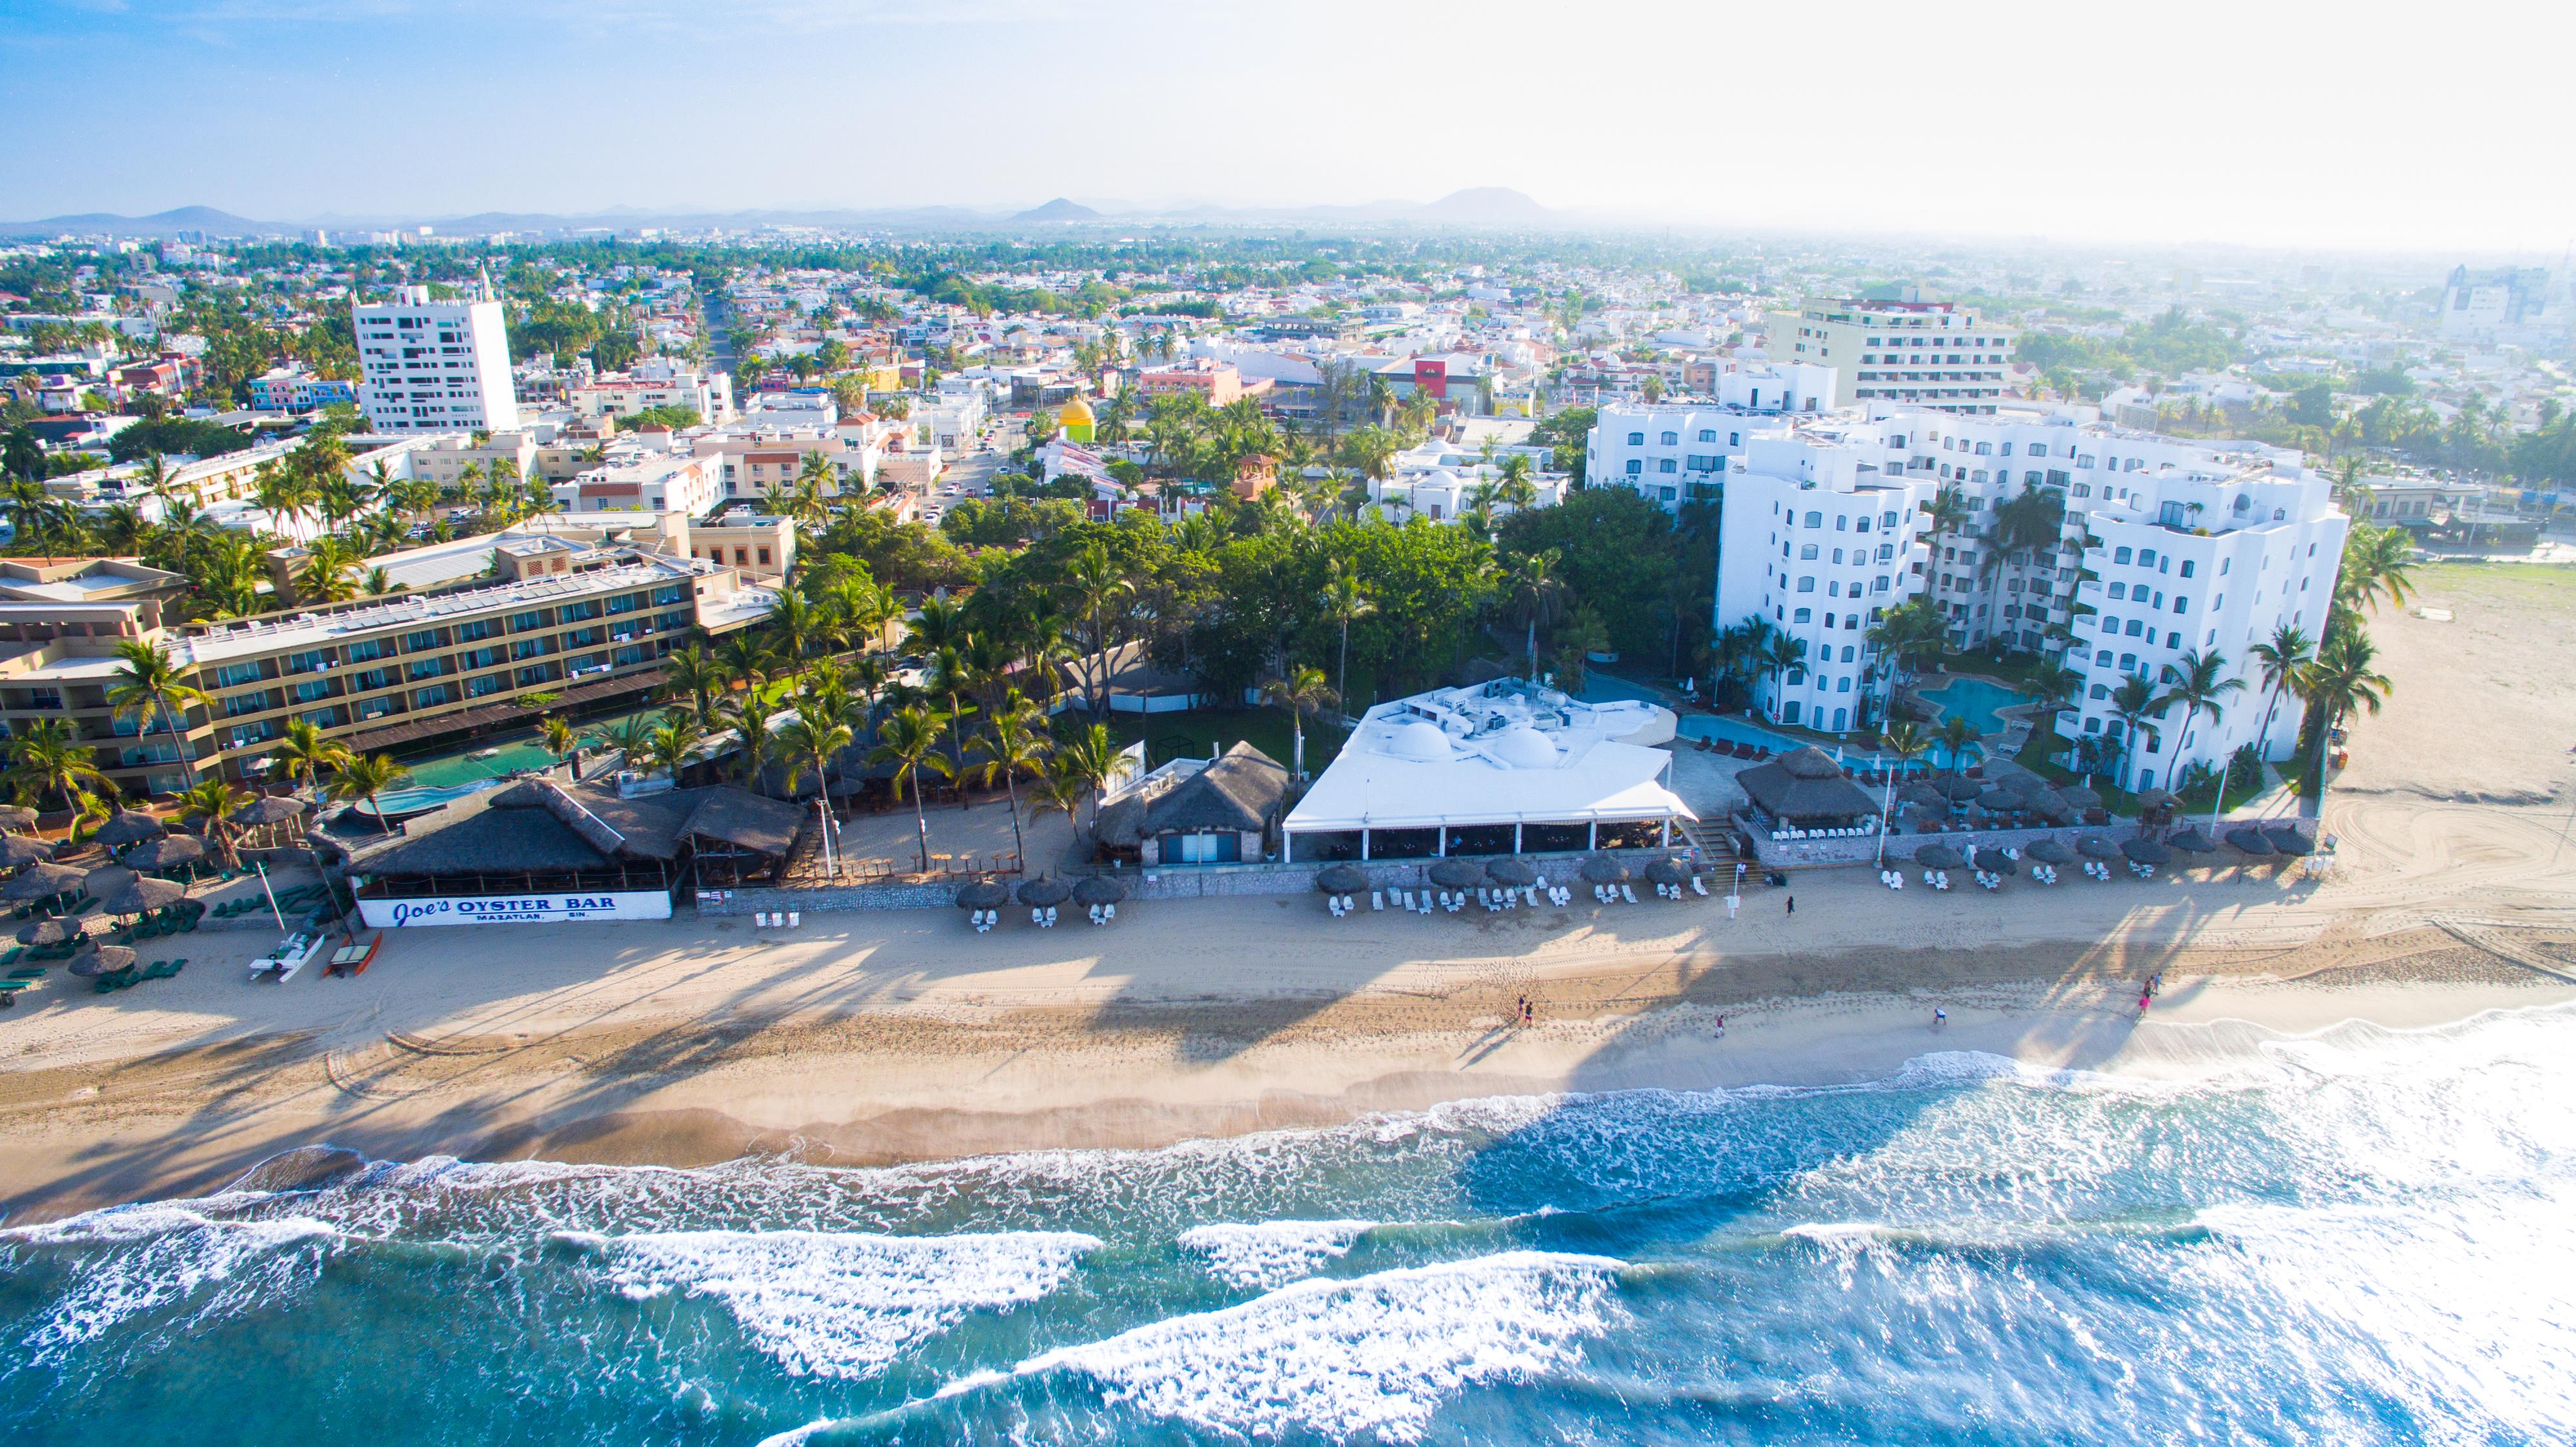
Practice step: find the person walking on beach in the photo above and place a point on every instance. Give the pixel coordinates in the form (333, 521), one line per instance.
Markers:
(2143, 998)
(1721, 1029)
(1793, 904)
(1940, 1017)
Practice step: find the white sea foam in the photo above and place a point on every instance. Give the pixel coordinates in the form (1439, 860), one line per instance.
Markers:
(1376, 1353)
(1267, 1254)
(137, 1259)
(843, 1305)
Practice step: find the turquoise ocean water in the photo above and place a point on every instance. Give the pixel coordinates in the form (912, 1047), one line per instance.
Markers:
(2362, 1238)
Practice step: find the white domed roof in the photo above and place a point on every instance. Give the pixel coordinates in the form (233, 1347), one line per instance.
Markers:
(1417, 739)
(1440, 477)
(1524, 747)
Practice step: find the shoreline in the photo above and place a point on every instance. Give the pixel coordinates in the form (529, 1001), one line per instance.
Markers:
(881, 1066)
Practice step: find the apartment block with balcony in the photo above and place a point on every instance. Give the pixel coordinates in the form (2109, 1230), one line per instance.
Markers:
(1676, 452)
(435, 365)
(1933, 354)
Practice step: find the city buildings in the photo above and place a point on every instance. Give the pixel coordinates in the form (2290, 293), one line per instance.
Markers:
(1934, 354)
(656, 382)
(295, 387)
(1676, 451)
(434, 365)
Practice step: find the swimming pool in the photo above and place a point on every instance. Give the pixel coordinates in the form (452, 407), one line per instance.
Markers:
(1731, 729)
(399, 803)
(1979, 701)
(465, 768)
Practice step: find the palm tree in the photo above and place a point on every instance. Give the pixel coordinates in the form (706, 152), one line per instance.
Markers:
(1905, 739)
(748, 715)
(2132, 702)
(745, 658)
(1781, 656)
(1345, 599)
(946, 673)
(632, 736)
(1956, 734)
(1095, 581)
(909, 740)
(2290, 650)
(328, 562)
(694, 674)
(214, 801)
(1536, 597)
(2201, 684)
(149, 682)
(1013, 742)
(557, 735)
(1301, 692)
(367, 775)
(1090, 756)
(2340, 683)
(48, 758)
(304, 755)
(2054, 688)
(672, 741)
(1062, 790)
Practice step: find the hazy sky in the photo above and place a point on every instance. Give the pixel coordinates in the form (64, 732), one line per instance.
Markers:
(2350, 124)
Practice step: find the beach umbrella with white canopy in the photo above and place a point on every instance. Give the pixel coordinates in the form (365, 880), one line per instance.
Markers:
(41, 881)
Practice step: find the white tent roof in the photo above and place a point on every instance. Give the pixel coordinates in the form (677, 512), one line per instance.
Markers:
(1499, 753)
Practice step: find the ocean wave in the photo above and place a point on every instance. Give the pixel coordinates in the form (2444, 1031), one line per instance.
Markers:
(1377, 1353)
(128, 1261)
(838, 1304)
(1267, 1254)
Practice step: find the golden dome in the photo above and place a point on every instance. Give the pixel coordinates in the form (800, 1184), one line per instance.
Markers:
(1074, 413)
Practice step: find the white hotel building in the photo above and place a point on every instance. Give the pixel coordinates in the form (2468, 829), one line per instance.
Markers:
(435, 366)
(2168, 546)
(1819, 536)
(1676, 451)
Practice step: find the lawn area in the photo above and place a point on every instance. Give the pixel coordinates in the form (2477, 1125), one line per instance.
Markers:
(1171, 736)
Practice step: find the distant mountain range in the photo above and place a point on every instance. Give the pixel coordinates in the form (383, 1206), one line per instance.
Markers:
(1481, 206)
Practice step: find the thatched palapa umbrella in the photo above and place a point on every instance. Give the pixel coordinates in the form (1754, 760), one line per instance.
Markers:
(1992, 861)
(983, 894)
(2147, 852)
(140, 894)
(1667, 871)
(1341, 879)
(2096, 846)
(2290, 841)
(1959, 789)
(102, 960)
(2049, 851)
(2248, 840)
(127, 826)
(1602, 869)
(1939, 856)
(1510, 873)
(17, 849)
(1098, 889)
(168, 852)
(41, 881)
(1457, 874)
(17, 816)
(1923, 795)
(275, 809)
(2080, 798)
(53, 930)
(2192, 841)
(1043, 893)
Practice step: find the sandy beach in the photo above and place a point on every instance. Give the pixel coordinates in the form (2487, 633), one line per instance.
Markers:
(875, 1038)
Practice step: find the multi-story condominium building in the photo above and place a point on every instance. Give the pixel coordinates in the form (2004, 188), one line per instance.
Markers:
(435, 366)
(296, 388)
(2164, 546)
(1677, 451)
(1924, 353)
(654, 383)
(586, 620)
(1819, 537)
(647, 481)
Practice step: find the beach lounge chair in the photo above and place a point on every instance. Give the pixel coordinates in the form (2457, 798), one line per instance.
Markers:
(1037, 916)
(796, 919)
(1627, 894)
(1109, 912)
(1699, 886)
(1377, 900)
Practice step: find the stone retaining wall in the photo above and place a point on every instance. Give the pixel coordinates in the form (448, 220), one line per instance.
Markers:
(830, 897)
(1832, 853)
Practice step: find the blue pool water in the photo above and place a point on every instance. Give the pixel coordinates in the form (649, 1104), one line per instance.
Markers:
(1730, 729)
(2336, 1242)
(398, 802)
(1977, 700)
